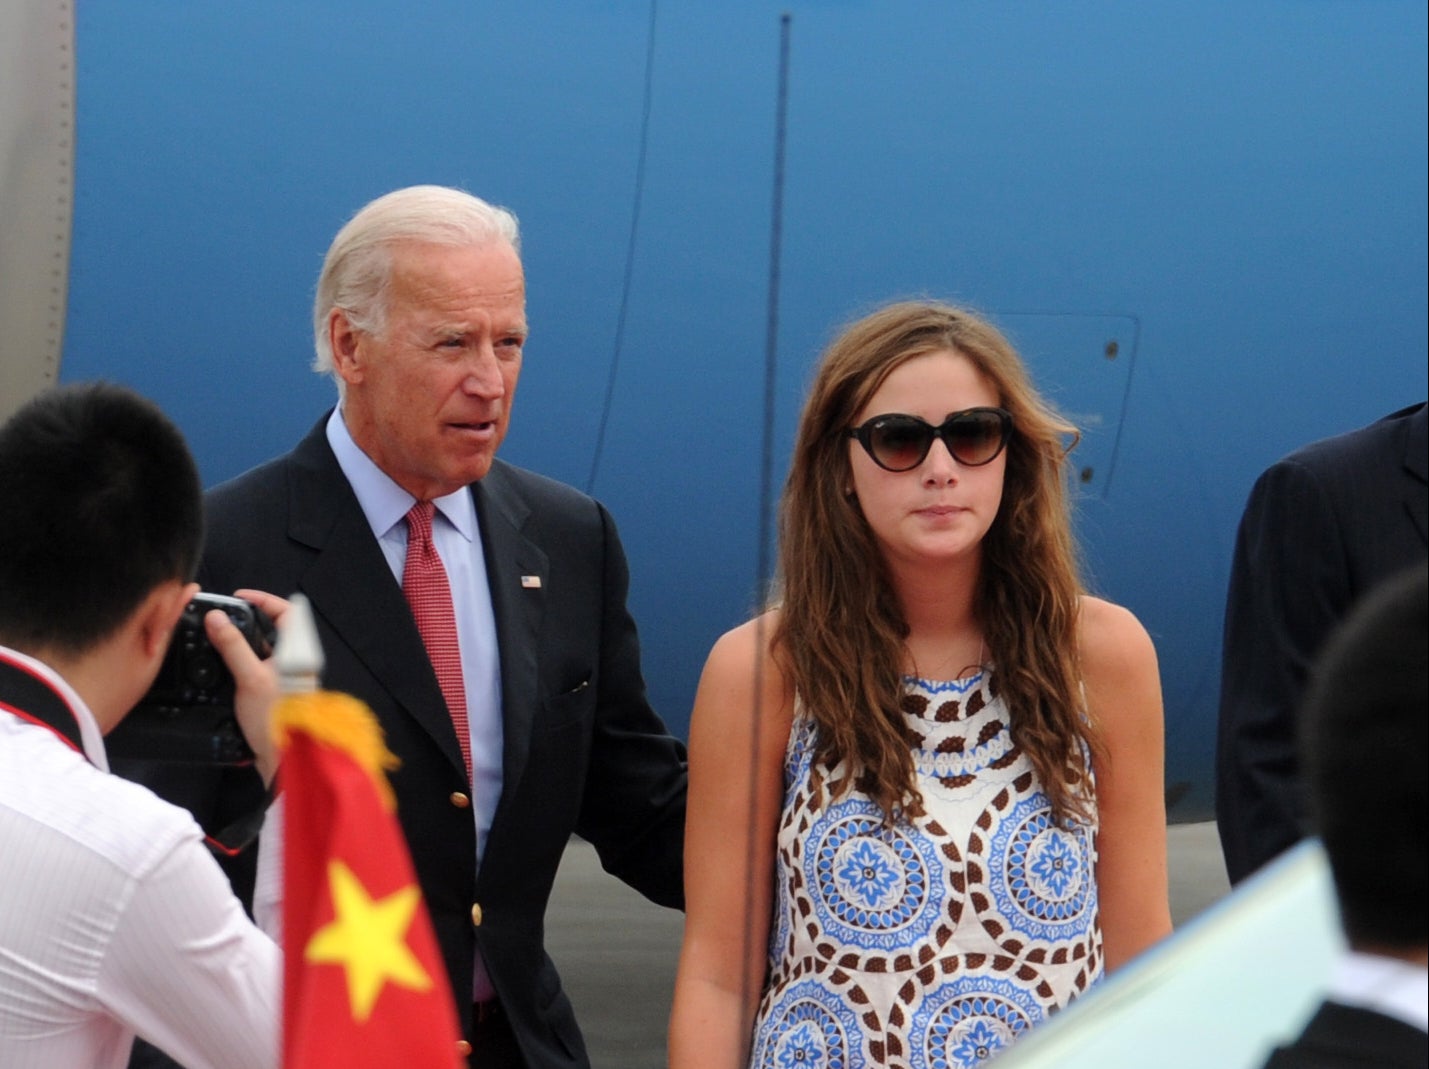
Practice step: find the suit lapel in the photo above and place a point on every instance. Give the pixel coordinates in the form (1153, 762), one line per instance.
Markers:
(518, 573)
(353, 592)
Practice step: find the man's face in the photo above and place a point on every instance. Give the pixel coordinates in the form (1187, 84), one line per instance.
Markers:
(429, 398)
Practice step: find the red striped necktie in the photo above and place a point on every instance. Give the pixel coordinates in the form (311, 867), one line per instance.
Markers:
(424, 582)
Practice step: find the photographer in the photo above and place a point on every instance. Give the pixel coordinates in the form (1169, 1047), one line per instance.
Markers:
(114, 918)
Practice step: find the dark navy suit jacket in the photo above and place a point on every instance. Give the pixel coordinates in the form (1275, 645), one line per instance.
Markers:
(1322, 527)
(1349, 1037)
(583, 751)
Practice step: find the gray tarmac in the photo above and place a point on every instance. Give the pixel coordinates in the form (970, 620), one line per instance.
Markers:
(617, 952)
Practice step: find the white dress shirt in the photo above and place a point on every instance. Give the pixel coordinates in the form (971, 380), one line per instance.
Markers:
(1391, 986)
(114, 917)
(458, 542)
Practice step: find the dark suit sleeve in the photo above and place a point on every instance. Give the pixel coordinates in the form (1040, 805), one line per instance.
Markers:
(1289, 585)
(1352, 1037)
(633, 808)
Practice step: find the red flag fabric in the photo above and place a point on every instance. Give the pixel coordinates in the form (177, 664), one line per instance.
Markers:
(364, 985)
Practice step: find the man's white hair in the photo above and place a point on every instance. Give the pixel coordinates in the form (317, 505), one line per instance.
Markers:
(357, 270)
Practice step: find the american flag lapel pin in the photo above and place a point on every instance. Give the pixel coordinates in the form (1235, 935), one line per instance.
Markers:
(531, 582)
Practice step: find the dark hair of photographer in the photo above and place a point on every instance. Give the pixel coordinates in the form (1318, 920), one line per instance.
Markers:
(104, 504)
(1365, 754)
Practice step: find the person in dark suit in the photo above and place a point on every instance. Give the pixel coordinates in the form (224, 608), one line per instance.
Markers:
(420, 317)
(1366, 763)
(1322, 527)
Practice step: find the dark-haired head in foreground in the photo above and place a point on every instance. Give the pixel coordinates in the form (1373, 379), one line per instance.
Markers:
(103, 505)
(1367, 765)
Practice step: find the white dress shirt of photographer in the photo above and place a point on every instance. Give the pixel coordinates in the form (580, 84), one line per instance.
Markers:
(114, 917)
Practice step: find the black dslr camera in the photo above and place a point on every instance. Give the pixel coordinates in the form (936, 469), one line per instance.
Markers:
(188, 713)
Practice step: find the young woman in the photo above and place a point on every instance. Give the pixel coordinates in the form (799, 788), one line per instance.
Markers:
(926, 799)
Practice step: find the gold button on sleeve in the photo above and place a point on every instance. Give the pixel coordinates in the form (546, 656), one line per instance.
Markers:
(463, 1048)
(459, 800)
(476, 914)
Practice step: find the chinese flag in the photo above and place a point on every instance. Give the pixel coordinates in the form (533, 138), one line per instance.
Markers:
(364, 984)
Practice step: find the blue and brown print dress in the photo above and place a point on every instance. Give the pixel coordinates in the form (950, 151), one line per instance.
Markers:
(931, 944)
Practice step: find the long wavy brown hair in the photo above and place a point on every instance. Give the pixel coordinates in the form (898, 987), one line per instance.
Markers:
(841, 629)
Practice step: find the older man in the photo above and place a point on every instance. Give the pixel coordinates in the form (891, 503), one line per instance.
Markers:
(478, 608)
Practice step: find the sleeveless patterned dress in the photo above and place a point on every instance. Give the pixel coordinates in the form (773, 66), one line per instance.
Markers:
(930, 946)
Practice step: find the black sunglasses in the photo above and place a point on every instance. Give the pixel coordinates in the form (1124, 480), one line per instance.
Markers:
(897, 442)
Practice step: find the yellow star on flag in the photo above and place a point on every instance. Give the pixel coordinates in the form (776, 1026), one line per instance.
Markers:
(368, 939)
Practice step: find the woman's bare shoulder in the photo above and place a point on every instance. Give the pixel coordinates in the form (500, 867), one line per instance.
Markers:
(1110, 635)
(1119, 670)
(744, 649)
(744, 707)
(742, 661)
